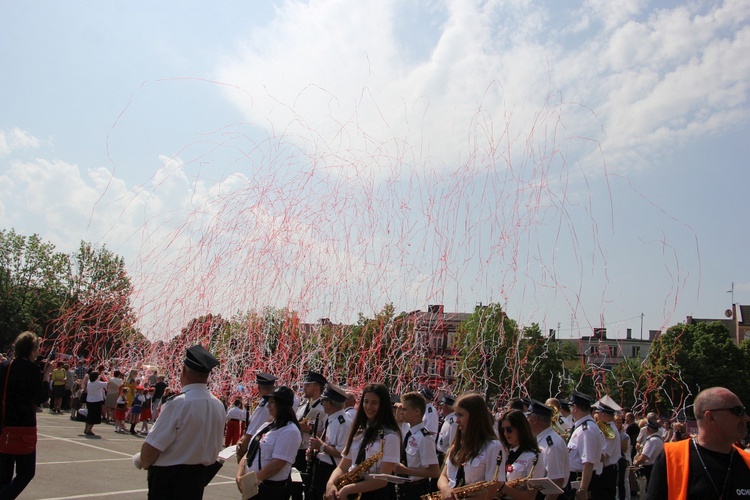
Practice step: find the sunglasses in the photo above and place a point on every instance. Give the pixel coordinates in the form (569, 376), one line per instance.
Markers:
(507, 430)
(738, 411)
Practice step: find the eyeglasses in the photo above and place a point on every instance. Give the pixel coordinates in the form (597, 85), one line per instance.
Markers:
(507, 430)
(738, 411)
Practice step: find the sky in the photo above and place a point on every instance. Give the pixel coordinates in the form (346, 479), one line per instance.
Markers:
(582, 164)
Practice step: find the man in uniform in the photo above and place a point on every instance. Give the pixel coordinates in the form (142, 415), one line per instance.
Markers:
(612, 452)
(311, 417)
(431, 418)
(418, 454)
(350, 405)
(448, 429)
(266, 383)
(327, 450)
(584, 448)
(552, 446)
(710, 465)
(652, 447)
(181, 450)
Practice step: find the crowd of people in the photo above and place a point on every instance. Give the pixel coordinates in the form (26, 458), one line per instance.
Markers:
(326, 441)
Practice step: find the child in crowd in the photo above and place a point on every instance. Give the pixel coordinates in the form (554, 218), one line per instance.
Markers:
(121, 409)
(235, 417)
(146, 411)
(135, 410)
(75, 400)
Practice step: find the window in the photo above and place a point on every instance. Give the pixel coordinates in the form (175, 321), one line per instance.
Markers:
(451, 366)
(636, 351)
(432, 369)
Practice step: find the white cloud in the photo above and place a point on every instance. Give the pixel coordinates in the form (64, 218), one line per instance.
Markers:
(15, 140)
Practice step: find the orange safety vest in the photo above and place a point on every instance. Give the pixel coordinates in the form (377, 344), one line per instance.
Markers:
(677, 455)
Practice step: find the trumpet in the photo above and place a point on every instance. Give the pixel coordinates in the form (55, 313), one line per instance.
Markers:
(606, 429)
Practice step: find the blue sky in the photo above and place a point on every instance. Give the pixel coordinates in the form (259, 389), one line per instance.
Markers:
(579, 165)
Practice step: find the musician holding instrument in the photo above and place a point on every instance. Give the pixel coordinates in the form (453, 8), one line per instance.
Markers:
(273, 448)
(372, 447)
(523, 461)
(652, 446)
(612, 451)
(327, 449)
(311, 417)
(472, 459)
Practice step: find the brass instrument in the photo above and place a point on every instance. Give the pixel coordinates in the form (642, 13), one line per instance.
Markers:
(471, 489)
(358, 473)
(556, 422)
(608, 432)
(515, 483)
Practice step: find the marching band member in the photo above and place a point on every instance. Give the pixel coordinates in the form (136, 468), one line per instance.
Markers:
(431, 418)
(552, 446)
(585, 447)
(374, 429)
(612, 452)
(266, 383)
(418, 453)
(524, 458)
(311, 418)
(328, 447)
(473, 457)
(448, 429)
(273, 448)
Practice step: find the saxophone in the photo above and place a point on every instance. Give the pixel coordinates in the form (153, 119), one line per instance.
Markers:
(358, 473)
(471, 489)
(515, 483)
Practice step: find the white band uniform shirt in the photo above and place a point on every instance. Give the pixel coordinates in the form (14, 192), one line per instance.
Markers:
(612, 447)
(431, 420)
(190, 428)
(391, 449)
(259, 417)
(652, 447)
(420, 449)
(447, 433)
(480, 468)
(586, 445)
(521, 466)
(279, 444)
(335, 436)
(310, 411)
(555, 453)
(566, 423)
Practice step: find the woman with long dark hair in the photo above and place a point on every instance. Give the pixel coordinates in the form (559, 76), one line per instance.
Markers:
(374, 429)
(523, 458)
(273, 448)
(25, 392)
(476, 454)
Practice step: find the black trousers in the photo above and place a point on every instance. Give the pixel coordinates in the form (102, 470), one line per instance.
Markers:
(413, 490)
(273, 490)
(604, 485)
(321, 471)
(25, 469)
(300, 463)
(183, 482)
(622, 468)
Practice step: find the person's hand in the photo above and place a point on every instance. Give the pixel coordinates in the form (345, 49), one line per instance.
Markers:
(316, 443)
(398, 469)
(137, 460)
(332, 493)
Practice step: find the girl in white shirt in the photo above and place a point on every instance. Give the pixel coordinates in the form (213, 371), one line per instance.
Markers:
(374, 429)
(523, 455)
(476, 454)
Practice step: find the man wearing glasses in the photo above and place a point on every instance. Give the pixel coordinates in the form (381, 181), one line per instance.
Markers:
(709, 465)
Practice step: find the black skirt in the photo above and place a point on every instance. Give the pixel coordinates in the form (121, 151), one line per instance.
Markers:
(95, 412)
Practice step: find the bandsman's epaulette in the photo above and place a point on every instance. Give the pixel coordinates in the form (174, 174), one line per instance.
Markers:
(585, 425)
(549, 441)
(429, 409)
(342, 420)
(425, 432)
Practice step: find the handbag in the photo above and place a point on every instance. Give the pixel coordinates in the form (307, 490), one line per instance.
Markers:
(15, 440)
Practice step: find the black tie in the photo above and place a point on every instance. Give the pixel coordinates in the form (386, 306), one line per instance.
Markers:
(325, 431)
(403, 449)
(460, 476)
(307, 409)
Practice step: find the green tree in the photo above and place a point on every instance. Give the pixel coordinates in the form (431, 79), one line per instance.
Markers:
(32, 284)
(488, 347)
(542, 361)
(689, 358)
(97, 317)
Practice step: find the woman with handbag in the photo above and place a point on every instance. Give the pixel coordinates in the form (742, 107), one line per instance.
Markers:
(23, 389)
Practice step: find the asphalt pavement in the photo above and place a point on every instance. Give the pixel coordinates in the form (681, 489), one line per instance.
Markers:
(72, 465)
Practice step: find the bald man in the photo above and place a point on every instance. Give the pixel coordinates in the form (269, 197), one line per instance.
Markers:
(709, 465)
